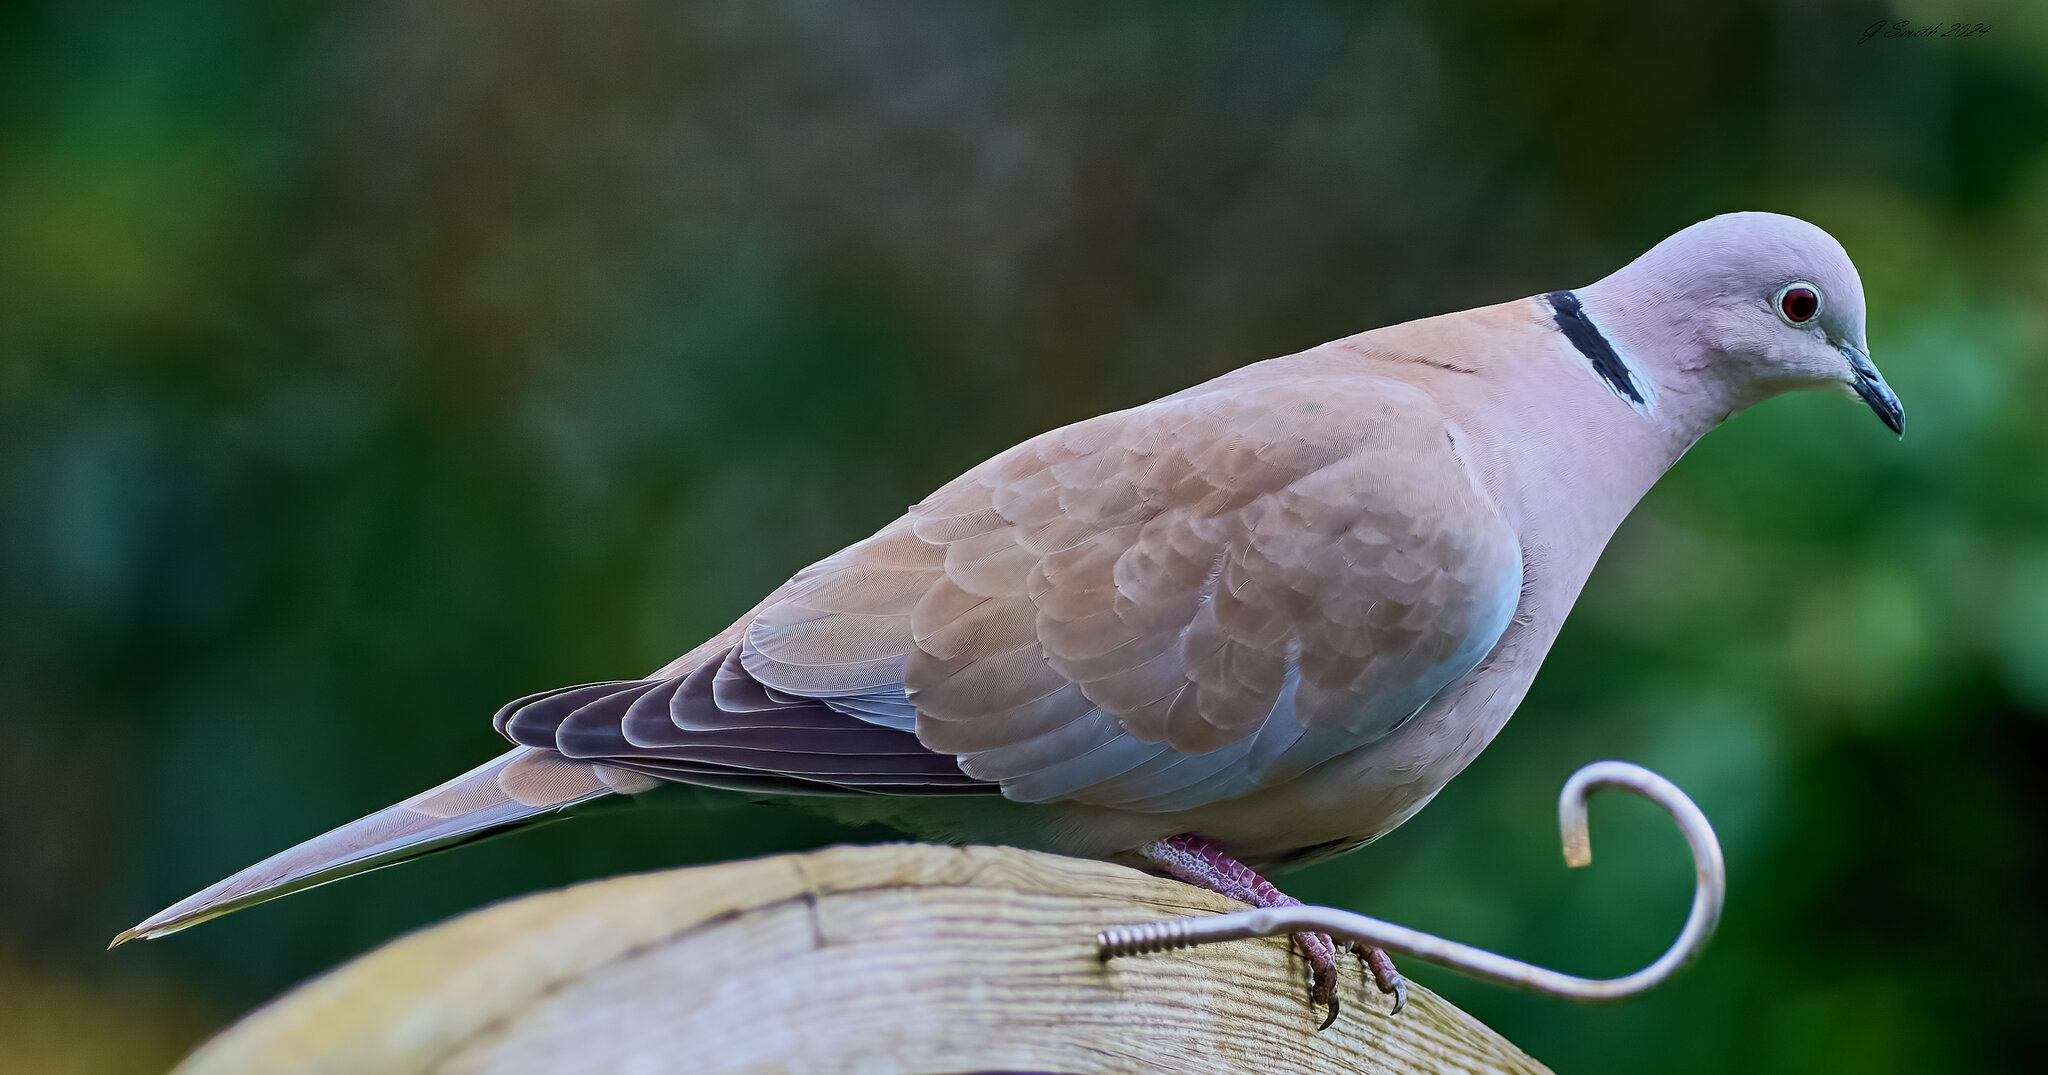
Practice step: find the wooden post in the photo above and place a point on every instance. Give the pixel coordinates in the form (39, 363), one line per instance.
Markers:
(895, 958)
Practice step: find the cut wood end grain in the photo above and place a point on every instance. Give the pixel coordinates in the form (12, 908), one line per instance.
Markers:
(900, 957)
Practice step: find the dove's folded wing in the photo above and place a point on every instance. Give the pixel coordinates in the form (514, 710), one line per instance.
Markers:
(1166, 606)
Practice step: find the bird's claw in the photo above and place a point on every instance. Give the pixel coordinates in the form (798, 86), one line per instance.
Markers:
(1322, 990)
(1380, 966)
(1332, 1019)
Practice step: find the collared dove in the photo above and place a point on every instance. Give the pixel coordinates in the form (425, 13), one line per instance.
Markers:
(1256, 623)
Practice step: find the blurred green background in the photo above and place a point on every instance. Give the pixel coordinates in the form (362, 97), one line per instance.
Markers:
(363, 366)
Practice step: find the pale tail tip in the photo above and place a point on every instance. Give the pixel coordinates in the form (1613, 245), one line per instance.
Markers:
(147, 930)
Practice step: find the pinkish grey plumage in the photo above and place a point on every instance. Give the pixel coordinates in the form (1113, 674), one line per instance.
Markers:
(1170, 605)
(1280, 609)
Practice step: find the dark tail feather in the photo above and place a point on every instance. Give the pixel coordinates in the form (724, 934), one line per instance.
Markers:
(525, 787)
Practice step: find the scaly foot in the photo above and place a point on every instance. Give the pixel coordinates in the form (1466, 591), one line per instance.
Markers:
(1198, 862)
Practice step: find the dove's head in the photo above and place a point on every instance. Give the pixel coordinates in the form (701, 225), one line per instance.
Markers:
(1742, 307)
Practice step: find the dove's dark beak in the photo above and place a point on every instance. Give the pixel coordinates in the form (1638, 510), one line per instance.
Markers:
(1869, 384)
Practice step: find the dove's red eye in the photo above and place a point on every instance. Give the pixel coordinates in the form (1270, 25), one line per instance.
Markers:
(1799, 304)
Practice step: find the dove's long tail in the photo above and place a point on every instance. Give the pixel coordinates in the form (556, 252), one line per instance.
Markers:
(524, 787)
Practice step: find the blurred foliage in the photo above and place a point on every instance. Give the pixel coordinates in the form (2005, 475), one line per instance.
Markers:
(363, 366)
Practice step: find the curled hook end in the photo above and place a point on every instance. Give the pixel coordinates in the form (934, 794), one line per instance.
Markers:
(1571, 801)
(1578, 849)
(1571, 822)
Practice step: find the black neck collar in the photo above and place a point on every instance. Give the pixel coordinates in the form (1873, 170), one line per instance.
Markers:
(1571, 319)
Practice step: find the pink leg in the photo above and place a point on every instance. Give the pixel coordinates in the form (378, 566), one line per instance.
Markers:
(1198, 862)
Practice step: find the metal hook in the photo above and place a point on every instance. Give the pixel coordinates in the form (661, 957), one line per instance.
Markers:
(1708, 894)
